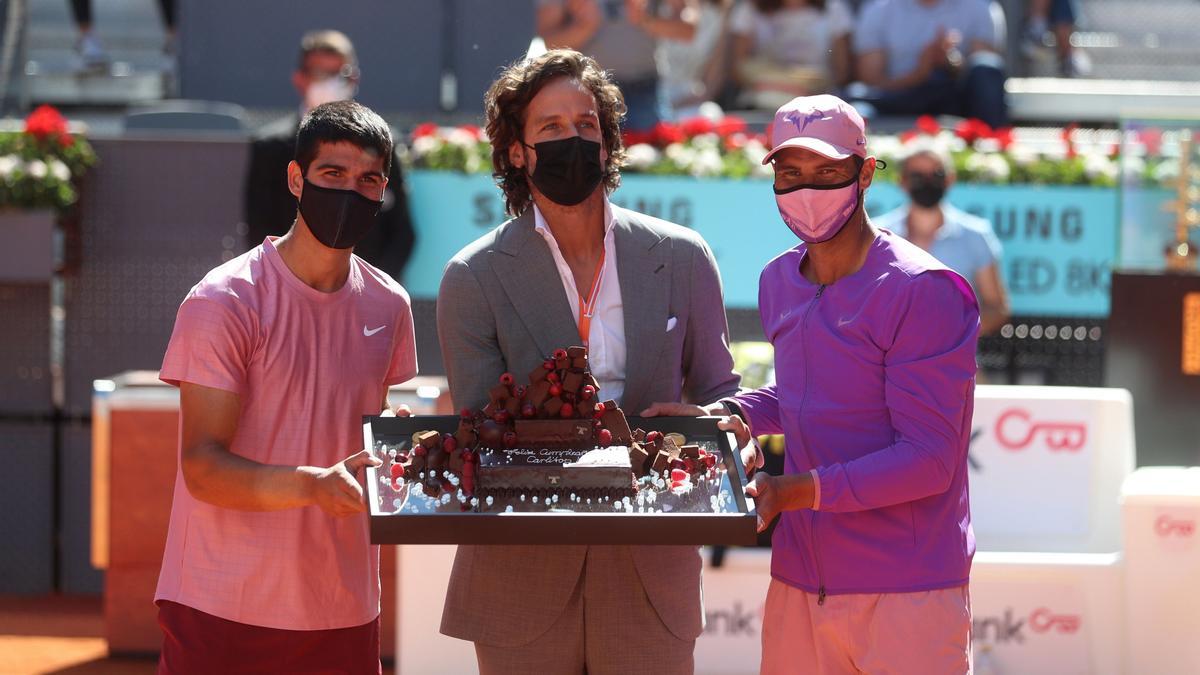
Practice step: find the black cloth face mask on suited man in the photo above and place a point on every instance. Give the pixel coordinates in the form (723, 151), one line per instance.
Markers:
(337, 218)
(568, 170)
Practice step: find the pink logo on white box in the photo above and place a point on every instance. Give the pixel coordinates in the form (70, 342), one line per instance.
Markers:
(1175, 528)
(1044, 620)
(1016, 430)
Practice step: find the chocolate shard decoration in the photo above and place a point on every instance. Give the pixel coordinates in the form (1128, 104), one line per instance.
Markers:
(538, 393)
(660, 462)
(429, 439)
(553, 406)
(690, 452)
(499, 394)
(538, 374)
(537, 434)
(513, 406)
(573, 382)
(639, 459)
(576, 352)
(639, 435)
(614, 420)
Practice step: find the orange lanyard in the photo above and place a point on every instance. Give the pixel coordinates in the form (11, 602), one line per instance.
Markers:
(587, 306)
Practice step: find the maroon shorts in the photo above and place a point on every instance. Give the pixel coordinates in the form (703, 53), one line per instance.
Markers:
(195, 642)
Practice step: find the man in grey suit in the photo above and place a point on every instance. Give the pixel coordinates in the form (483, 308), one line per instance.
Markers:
(645, 296)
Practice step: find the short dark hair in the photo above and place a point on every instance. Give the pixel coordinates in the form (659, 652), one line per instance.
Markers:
(508, 98)
(328, 42)
(339, 121)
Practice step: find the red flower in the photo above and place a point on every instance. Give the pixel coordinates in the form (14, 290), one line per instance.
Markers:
(1152, 139)
(695, 126)
(1066, 138)
(731, 124)
(475, 131)
(666, 133)
(1004, 137)
(45, 122)
(735, 141)
(927, 125)
(972, 130)
(631, 138)
(426, 129)
(909, 135)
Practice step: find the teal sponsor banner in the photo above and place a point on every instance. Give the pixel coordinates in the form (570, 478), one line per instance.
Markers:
(1059, 242)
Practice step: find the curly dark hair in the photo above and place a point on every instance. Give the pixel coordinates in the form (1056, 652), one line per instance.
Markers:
(507, 100)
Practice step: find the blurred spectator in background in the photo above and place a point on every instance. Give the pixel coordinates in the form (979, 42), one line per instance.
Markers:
(963, 242)
(1057, 17)
(91, 50)
(694, 71)
(327, 71)
(788, 48)
(621, 35)
(930, 57)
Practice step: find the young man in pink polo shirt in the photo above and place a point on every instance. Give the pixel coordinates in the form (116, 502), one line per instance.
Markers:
(277, 354)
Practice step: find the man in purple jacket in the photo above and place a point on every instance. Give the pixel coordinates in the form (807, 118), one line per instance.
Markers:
(875, 378)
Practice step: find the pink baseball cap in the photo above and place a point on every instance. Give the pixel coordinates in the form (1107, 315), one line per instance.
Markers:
(825, 124)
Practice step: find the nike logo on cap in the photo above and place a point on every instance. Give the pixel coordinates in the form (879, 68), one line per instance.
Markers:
(369, 333)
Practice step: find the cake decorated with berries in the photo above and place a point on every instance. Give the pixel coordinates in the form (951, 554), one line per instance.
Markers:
(552, 439)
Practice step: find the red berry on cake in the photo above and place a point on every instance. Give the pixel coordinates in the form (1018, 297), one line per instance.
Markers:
(507, 379)
(449, 443)
(397, 470)
(654, 437)
(420, 451)
(567, 410)
(556, 389)
(709, 461)
(466, 413)
(501, 417)
(587, 392)
(548, 364)
(605, 438)
(678, 475)
(552, 376)
(510, 439)
(598, 412)
(528, 411)
(560, 354)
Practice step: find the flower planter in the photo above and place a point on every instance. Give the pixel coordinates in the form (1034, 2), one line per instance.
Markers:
(27, 253)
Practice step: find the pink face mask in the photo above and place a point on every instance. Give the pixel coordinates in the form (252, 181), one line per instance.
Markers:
(817, 214)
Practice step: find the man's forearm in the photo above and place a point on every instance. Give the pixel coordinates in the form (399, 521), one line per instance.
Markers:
(216, 476)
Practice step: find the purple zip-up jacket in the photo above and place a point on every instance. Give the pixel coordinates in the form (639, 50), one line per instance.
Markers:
(875, 383)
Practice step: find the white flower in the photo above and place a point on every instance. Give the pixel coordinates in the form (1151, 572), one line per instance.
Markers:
(987, 145)
(1097, 165)
(1022, 155)
(707, 162)
(8, 165)
(706, 141)
(424, 145)
(36, 168)
(755, 151)
(988, 165)
(461, 137)
(1166, 172)
(60, 170)
(641, 156)
(680, 154)
(1133, 167)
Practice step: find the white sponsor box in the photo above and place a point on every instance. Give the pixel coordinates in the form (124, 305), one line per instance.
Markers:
(1046, 466)
(1161, 518)
(1047, 613)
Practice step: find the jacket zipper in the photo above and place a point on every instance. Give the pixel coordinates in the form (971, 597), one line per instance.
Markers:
(803, 401)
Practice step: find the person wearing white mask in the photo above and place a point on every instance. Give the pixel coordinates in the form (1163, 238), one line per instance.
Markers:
(326, 71)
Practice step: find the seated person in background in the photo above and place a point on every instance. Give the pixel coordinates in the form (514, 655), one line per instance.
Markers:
(693, 71)
(1057, 16)
(930, 57)
(621, 36)
(961, 241)
(327, 71)
(788, 48)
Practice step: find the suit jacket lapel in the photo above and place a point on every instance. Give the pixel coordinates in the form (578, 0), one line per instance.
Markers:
(643, 259)
(526, 270)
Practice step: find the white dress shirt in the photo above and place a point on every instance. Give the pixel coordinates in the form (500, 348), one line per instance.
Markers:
(606, 337)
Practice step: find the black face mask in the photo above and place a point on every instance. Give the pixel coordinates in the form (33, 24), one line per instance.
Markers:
(926, 191)
(568, 170)
(337, 218)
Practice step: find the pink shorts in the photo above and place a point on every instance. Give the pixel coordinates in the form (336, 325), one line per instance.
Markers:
(921, 633)
(200, 643)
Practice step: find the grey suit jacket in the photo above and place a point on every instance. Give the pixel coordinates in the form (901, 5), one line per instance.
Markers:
(502, 307)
